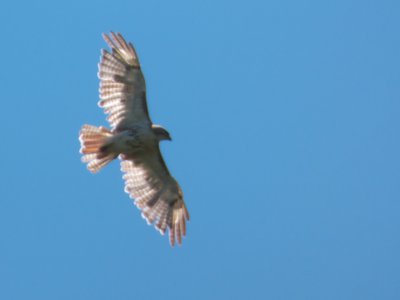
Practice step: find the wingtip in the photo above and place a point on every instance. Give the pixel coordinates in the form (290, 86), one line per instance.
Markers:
(172, 237)
(105, 36)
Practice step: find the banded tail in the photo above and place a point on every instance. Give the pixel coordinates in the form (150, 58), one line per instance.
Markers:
(93, 145)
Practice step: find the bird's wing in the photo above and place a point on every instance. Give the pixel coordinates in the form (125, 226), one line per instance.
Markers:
(155, 192)
(122, 85)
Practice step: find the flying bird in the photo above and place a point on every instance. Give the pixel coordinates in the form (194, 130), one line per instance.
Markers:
(134, 139)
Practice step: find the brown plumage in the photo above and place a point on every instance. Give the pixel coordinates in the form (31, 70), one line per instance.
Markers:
(135, 140)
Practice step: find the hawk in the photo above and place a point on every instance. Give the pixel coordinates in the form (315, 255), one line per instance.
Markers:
(134, 139)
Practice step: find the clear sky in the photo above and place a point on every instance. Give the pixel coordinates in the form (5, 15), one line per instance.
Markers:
(285, 124)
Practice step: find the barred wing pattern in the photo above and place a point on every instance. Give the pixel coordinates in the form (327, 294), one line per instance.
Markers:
(156, 193)
(147, 179)
(122, 85)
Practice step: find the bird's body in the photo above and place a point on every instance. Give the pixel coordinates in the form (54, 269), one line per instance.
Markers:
(131, 140)
(135, 140)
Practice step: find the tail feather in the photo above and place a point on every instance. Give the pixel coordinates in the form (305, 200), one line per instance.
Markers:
(93, 142)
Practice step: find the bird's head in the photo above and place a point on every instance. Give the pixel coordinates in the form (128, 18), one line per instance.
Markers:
(161, 133)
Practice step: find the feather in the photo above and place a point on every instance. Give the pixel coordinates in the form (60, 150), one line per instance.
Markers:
(92, 141)
(121, 83)
(162, 203)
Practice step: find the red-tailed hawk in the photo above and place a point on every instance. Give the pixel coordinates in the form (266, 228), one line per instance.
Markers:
(134, 139)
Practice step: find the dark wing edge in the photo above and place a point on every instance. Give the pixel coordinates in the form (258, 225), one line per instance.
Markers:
(156, 193)
(122, 50)
(120, 75)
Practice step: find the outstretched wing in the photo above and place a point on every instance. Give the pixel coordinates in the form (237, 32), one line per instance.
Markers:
(122, 85)
(156, 193)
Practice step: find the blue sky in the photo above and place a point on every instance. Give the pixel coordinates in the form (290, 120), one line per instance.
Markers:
(285, 124)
